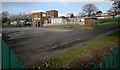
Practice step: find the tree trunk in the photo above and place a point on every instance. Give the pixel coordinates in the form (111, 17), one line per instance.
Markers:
(88, 15)
(113, 15)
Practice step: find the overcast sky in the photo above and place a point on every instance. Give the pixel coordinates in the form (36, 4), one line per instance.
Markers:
(63, 7)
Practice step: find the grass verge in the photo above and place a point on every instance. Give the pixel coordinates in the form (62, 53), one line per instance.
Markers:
(64, 59)
(107, 24)
(99, 25)
(72, 25)
(108, 20)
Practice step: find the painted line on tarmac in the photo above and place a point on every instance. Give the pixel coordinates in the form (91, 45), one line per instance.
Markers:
(66, 43)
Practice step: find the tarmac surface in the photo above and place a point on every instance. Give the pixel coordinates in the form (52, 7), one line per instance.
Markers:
(33, 44)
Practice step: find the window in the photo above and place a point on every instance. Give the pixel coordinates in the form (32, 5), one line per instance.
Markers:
(50, 15)
(35, 18)
(39, 18)
(44, 14)
(35, 15)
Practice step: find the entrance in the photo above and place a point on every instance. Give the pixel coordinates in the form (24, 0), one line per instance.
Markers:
(38, 24)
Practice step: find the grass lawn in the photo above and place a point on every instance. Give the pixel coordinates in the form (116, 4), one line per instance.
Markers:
(109, 20)
(99, 25)
(66, 58)
(71, 25)
(106, 24)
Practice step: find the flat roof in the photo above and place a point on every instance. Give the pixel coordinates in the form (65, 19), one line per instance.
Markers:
(90, 18)
(52, 10)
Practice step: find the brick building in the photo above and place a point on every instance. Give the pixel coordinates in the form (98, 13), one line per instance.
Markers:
(40, 18)
(91, 23)
(53, 12)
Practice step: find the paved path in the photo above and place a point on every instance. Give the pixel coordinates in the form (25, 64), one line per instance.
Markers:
(34, 44)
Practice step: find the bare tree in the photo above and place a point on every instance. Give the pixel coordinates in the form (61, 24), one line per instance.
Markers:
(89, 9)
(115, 8)
(70, 15)
(81, 14)
(116, 2)
(21, 16)
(113, 0)
(5, 16)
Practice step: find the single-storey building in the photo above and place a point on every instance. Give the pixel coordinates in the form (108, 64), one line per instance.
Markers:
(91, 22)
(76, 21)
(58, 20)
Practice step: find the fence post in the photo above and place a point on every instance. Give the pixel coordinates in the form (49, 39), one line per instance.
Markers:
(9, 59)
(5, 55)
(0, 53)
(115, 59)
(118, 57)
(102, 64)
(107, 62)
(111, 60)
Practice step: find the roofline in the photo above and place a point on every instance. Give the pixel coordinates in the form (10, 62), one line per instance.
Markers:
(51, 10)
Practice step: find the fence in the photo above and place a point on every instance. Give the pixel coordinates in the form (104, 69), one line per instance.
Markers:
(17, 25)
(9, 60)
(111, 62)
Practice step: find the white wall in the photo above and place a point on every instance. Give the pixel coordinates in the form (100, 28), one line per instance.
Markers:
(66, 23)
(53, 24)
(57, 20)
(76, 21)
(63, 21)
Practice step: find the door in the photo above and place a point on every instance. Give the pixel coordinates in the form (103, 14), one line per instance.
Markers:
(38, 24)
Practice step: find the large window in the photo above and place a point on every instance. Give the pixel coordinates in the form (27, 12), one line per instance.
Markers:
(50, 15)
(35, 18)
(44, 14)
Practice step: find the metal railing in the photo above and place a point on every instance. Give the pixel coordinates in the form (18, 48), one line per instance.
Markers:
(111, 62)
(9, 59)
